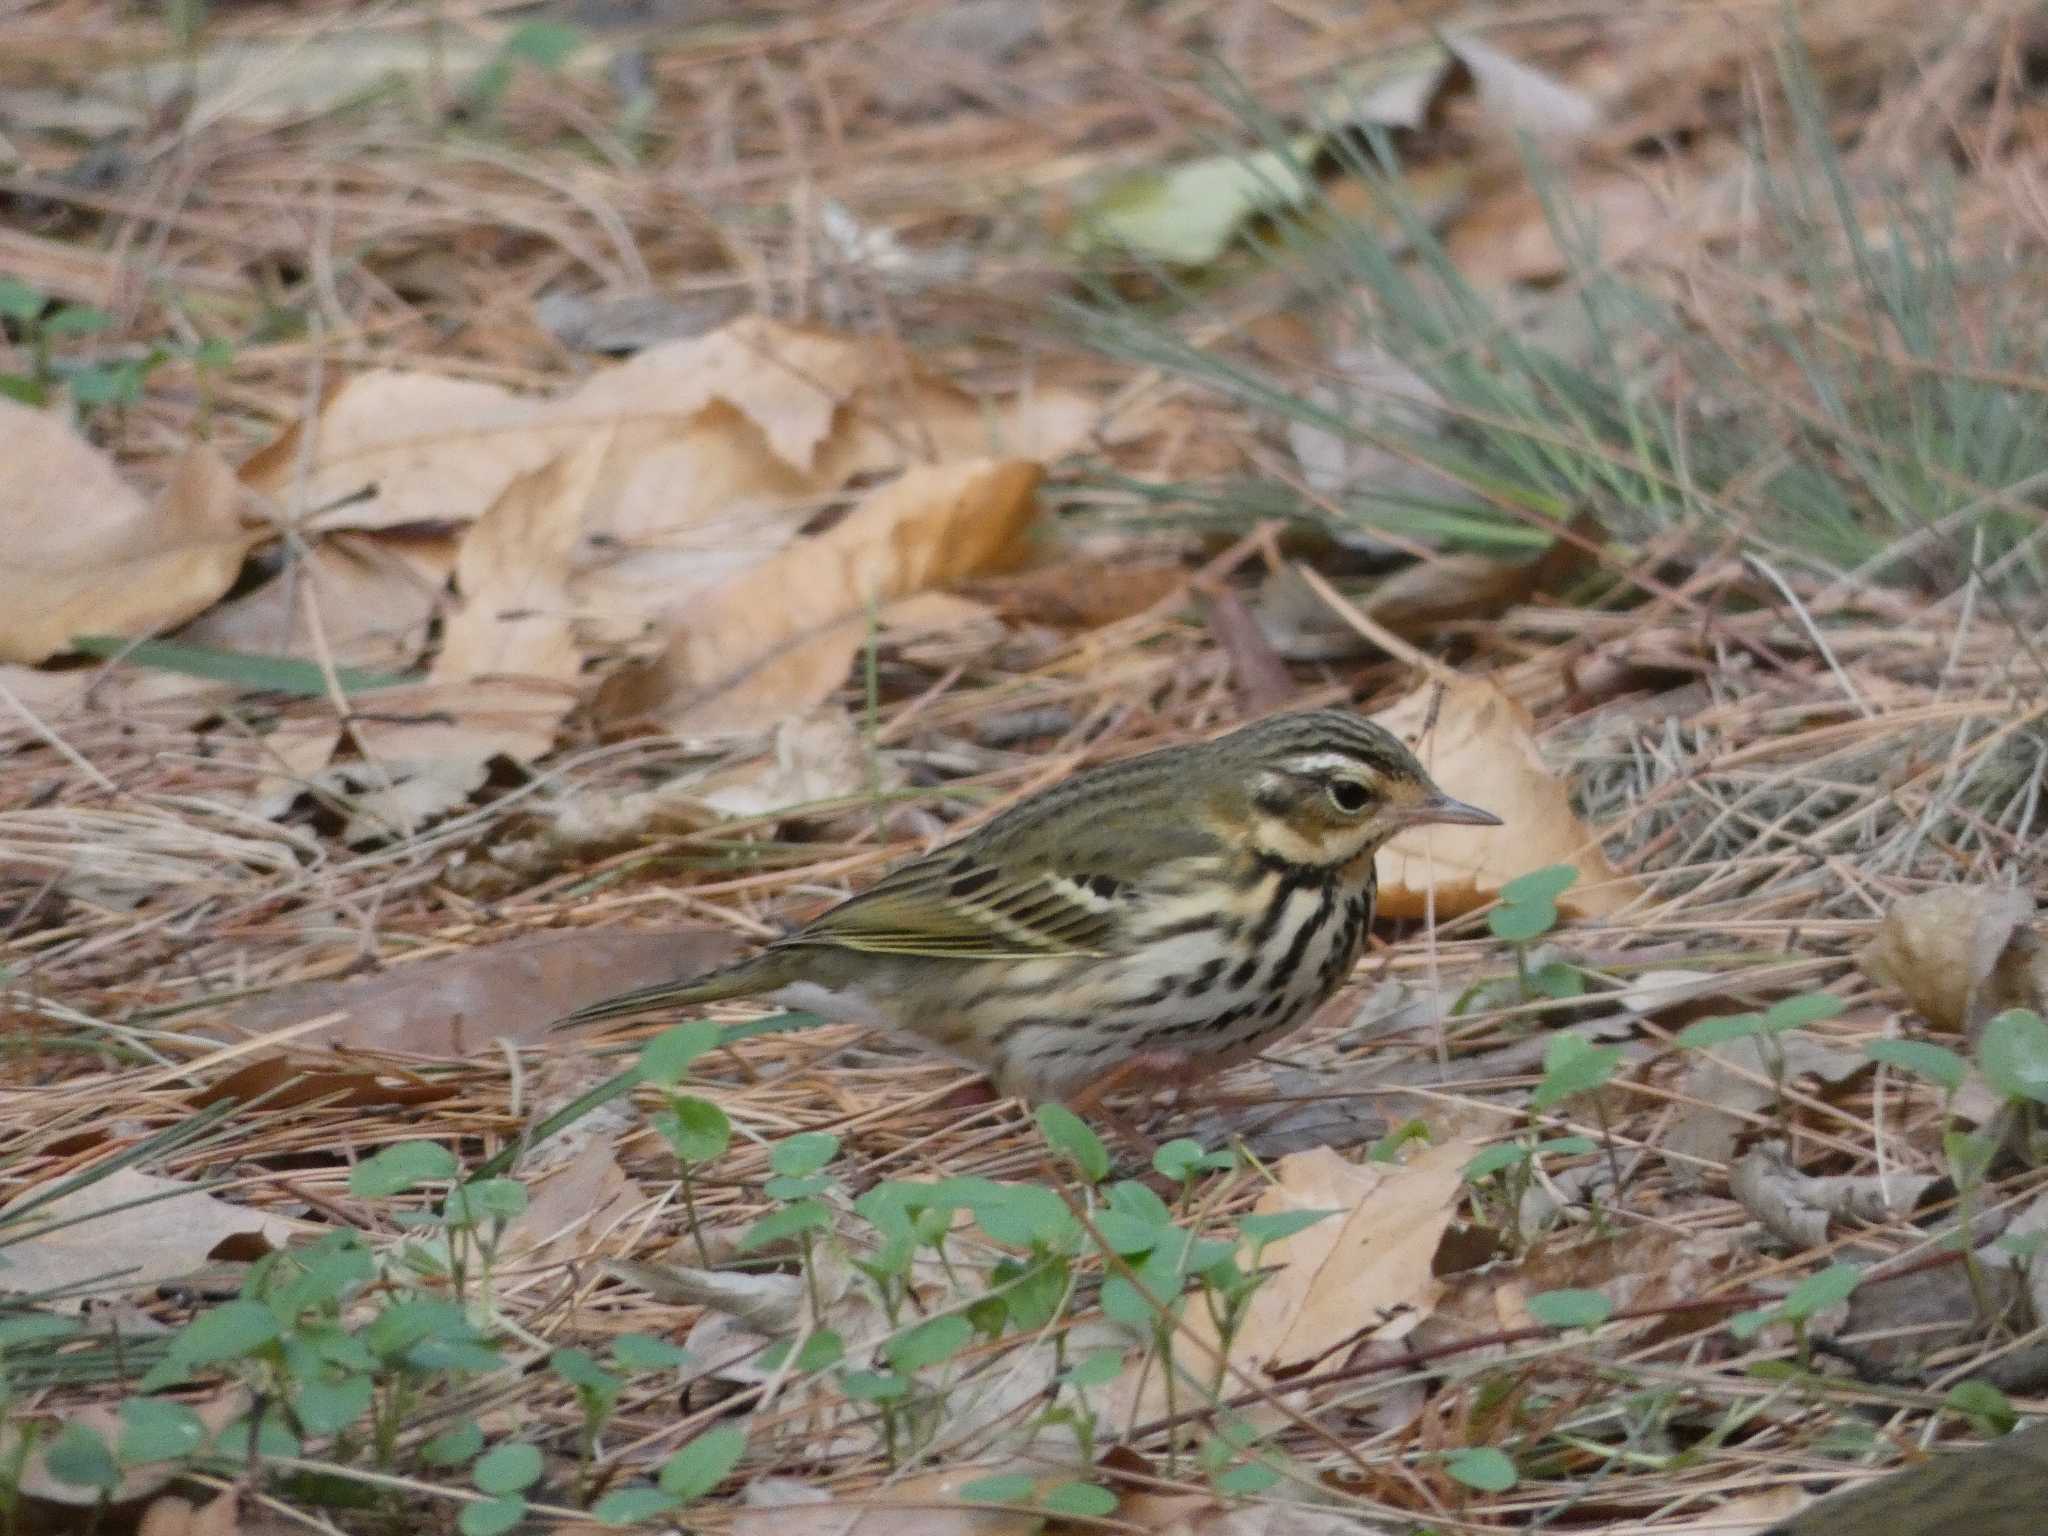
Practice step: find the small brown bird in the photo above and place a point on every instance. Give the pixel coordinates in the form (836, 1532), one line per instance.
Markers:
(1154, 919)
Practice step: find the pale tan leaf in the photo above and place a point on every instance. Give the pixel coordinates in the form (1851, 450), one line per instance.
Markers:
(509, 662)
(372, 599)
(1961, 954)
(426, 449)
(778, 640)
(1365, 1273)
(1483, 750)
(575, 1209)
(172, 1234)
(1520, 97)
(87, 555)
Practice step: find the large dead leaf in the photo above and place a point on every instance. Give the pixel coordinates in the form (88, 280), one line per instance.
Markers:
(87, 555)
(780, 639)
(172, 1234)
(369, 600)
(462, 1003)
(388, 449)
(648, 508)
(1961, 954)
(1359, 1276)
(507, 671)
(1483, 750)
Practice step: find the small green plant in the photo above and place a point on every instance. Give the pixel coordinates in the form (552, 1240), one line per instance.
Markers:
(696, 1129)
(1813, 1295)
(1527, 910)
(1505, 1172)
(44, 327)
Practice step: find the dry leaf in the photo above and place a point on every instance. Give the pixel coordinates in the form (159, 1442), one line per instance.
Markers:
(815, 758)
(1483, 750)
(780, 639)
(88, 556)
(460, 1003)
(170, 1235)
(509, 662)
(390, 449)
(1520, 97)
(928, 1504)
(1960, 954)
(284, 1083)
(1362, 1275)
(1725, 1088)
(372, 599)
(173, 1516)
(573, 1209)
(1796, 1208)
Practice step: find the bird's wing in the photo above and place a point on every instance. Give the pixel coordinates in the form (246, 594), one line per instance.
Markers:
(954, 905)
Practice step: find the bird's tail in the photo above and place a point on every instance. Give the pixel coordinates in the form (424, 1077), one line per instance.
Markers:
(760, 973)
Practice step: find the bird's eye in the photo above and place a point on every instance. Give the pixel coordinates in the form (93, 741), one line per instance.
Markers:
(1349, 796)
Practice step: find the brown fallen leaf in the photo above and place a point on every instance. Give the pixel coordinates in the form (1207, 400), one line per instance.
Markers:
(509, 662)
(461, 1003)
(1960, 954)
(173, 1516)
(1483, 750)
(282, 1083)
(1362, 1275)
(570, 1210)
(780, 639)
(87, 555)
(95, 1234)
(389, 449)
(372, 598)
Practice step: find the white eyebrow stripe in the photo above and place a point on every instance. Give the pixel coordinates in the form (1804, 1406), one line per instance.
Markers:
(1319, 763)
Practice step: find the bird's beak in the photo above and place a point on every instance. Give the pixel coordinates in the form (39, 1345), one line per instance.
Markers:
(1440, 808)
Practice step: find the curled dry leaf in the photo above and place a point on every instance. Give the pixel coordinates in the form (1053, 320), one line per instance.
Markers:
(1960, 954)
(87, 555)
(97, 1234)
(460, 1003)
(1796, 1208)
(1483, 750)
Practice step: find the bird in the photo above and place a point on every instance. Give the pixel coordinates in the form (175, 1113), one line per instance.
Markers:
(1144, 922)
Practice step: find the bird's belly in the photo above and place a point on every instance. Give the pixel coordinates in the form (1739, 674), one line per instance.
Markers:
(1206, 998)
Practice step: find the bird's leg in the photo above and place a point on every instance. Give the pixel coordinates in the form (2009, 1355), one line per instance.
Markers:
(1169, 1065)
